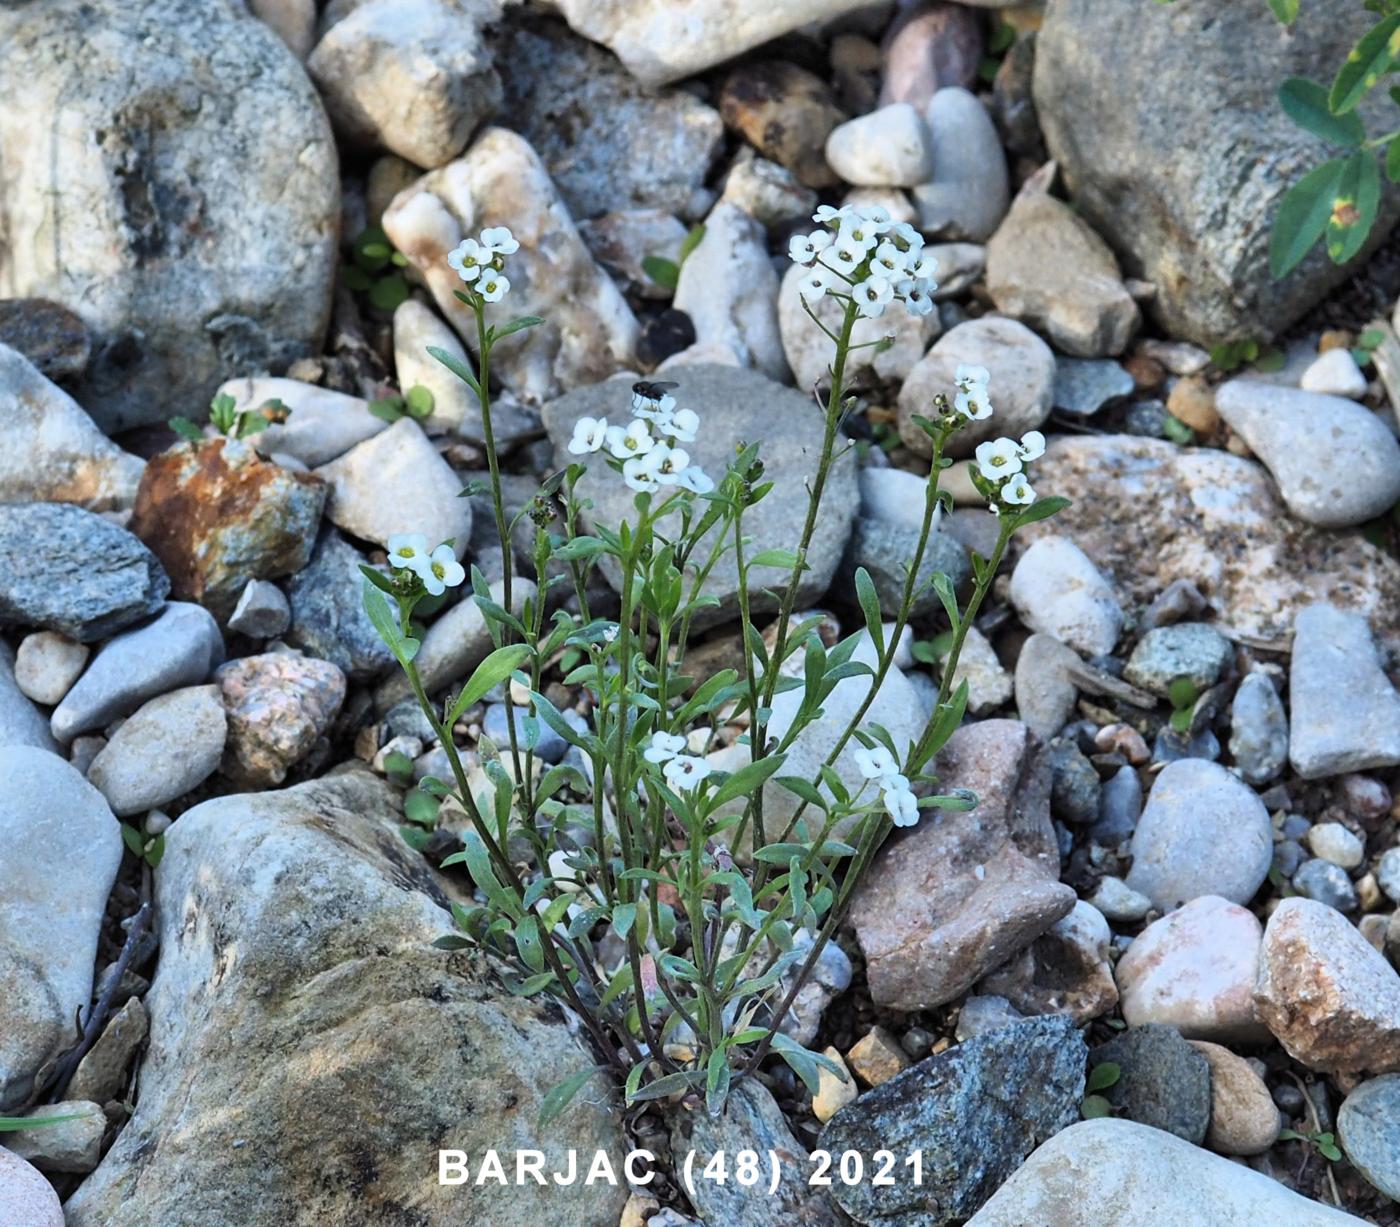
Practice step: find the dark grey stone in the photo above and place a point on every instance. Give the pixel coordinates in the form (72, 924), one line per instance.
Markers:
(550, 748)
(976, 1112)
(1258, 730)
(1075, 789)
(1163, 1081)
(885, 548)
(1369, 1128)
(1120, 808)
(1083, 386)
(328, 612)
(66, 569)
(1327, 883)
(1186, 649)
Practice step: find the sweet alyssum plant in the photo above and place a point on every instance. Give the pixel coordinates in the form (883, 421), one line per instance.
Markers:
(660, 899)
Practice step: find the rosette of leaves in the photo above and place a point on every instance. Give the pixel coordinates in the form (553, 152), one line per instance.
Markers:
(375, 270)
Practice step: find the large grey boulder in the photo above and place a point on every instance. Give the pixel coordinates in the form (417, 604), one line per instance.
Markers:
(310, 1051)
(734, 405)
(168, 173)
(1119, 86)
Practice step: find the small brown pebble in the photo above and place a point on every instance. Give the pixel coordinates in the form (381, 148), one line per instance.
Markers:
(877, 1057)
(1334, 338)
(1192, 400)
(1148, 374)
(1124, 740)
(1238, 447)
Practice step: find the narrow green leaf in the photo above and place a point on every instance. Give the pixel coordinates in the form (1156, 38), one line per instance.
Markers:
(1368, 62)
(492, 671)
(1285, 10)
(515, 325)
(1305, 103)
(1303, 216)
(457, 367)
(1042, 509)
(692, 240)
(666, 273)
(557, 1098)
(870, 606)
(1354, 209)
(787, 559)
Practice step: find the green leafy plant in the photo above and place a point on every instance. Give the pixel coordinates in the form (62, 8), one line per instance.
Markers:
(416, 403)
(1103, 1076)
(230, 421)
(147, 848)
(17, 1124)
(1182, 694)
(666, 272)
(654, 890)
(375, 270)
(1366, 345)
(1325, 1143)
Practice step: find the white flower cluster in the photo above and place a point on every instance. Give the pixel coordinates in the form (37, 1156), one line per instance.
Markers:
(1001, 462)
(878, 764)
(438, 569)
(647, 445)
(683, 771)
(972, 399)
(861, 254)
(479, 261)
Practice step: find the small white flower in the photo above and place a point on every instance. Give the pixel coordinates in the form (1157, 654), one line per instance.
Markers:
(492, 286)
(408, 550)
(969, 377)
(917, 296)
(589, 435)
(664, 747)
(903, 232)
(686, 771)
(634, 439)
(871, 296)
(803, 248)
(499, 241)
(441, 571)
(923, 268)
(610, 632)
(998, 459)
(842, 257)
(875, 763)
(467, 258)
(877, 216)
(902, 807)
(653, 409)
(668, 463)
(1018, 491)
(684, 425)
(1032, 445)
(827, 216)
(857, 232)
(973, 403)
(888, 262)
(695, 479)
(815, 284)
(638, 474)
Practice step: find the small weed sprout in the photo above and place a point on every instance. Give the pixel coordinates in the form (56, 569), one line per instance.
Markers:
(653, 894)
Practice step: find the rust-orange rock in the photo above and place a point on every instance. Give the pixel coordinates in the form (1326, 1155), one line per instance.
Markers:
(216, 515)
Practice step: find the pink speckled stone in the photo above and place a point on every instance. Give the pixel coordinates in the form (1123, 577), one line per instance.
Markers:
(26, 1198)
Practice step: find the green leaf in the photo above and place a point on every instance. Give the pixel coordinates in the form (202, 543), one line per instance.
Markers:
(133, 839)
(1285, 10)
(15, 1124)
(186, 429)
(457, 367)
(498, 666)
(557, 1098)
(787, 559)
(1103, 1076)
(1303, 216)
(419, 400)
(663, 1087)
(156, 852)
(420, 808)
(692, 240)
(389, 293)
(870, 606)
(1178, 431)
(666, 273)
(1042, 509)
(1095, 1106)
(1182, 692)
(746, 780)
(1305, 103)
(1354, 209)
(623, 918)
(1368, 62)
(381, 616)
(387, 408)
(515, 325)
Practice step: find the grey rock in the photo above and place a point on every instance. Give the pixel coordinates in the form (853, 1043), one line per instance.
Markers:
(1058, 591)
(1258, 730)
(1045, 696)
(752, 1120)
(1101, 1173)
(1368, 1125)
(1083, 386)
(262, 611)
(976, 1112)
(1048, 268)
(68, 1146)
(66, 569)
(1075, 790)
(49, 929)
(550, 747)
(328, 617)
(1388, 873)
(831, 976)
(1345, 713)
(982, 1013)
(1185, 649)
(1121, 807)
(1065, 971)
(1190, 224)
(895, 496)
(323, 423)
(337, 1007)
(1163, 1081)
(607, 142)
(946, 902)
(47, 664)
(621, 240)
(1202, 832)
(1179, 601)
(47, 334)
(50, 450)
(1333, 842)
(1336, 462)
(1335, 373)
(21, 723)
(1118, 903)
(183, 173)
(887, 549)
(789, 437)
(179, 647)
(169, 746)
(1327, 883)
(969, 192)
(1147, 418)
(102, 1074)
(887, 147)
(279, 705)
